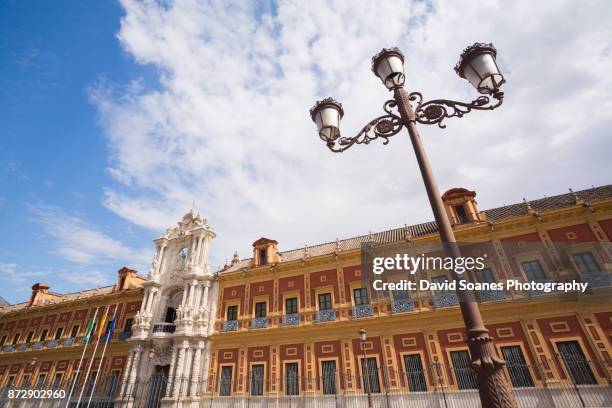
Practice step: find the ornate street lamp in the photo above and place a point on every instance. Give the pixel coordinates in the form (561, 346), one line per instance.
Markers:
(476, 64)
(365, 368)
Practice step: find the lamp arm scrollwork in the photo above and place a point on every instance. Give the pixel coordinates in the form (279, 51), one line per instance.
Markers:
(437, 110)
(382, 127)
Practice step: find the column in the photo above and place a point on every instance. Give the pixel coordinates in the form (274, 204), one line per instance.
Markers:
(178, 373)
(195, 372)
(160, 258)
(197, 296)
(185, 290)
(191, 292)
(196, 258)
(187, 372)
(171, 373)
(134, 369)
(205, 294)
(126, 373)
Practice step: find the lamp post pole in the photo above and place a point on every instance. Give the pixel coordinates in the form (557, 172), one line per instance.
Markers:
(365, 367)
(477, 64)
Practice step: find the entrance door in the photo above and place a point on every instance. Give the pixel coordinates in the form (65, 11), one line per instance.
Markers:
(157, 386)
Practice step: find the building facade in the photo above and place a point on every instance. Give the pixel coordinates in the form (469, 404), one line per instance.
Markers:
(42, 341)
(283, 327)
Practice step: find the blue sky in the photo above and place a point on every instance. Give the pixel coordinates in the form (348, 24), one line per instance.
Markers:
(116, 116)
(52, 151)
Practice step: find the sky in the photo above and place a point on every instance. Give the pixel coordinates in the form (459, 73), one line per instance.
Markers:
(117, 117)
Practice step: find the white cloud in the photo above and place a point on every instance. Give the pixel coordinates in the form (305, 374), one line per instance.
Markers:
(78, 241)
(228, 124)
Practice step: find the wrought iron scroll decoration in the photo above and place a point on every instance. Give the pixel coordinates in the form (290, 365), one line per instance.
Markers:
(435, 111)
(383, 127)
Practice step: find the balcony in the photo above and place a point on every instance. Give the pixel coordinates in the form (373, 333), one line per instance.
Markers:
(259, 323)
(362, 311)
(402, 305)
(229, 325)
(596, 279)
(71, 341)
(326, 315)
(445, 299)
(86, 340)
(24, 347)
(9, 349)
(53, 343)
(291, 319)
(38, 345)
(164, 328)
(490, 295)
(123, 336)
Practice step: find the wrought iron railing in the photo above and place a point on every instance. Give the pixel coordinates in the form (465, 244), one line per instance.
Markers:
(71, 341)
(229, 325)
(259, 322)
(164, 328)
(402, 305)
(124, 335)
(291, 319)
(362, 311)
(325, 315)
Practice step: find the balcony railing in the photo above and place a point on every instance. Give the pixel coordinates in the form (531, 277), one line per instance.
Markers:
(164, 328)
(596, 279)
(53, 343)
(38, 345)
(259, 323)
(71, 341)
(445, 299)
(362, 311)
(24, 347)
(291, 319)
(402, 305)
(326, 315)
(124, 335)
(229, 325)
(9, 349)
(491, 295)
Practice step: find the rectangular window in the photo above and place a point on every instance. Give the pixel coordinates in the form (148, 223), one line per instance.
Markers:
(25, 381)
(369, 374)
(232, 313)
(257, 379)
(58, 333)
(534, 271)
(29, 337)
(325, 301)
(360, 295)
(225, 388)
(575, 362)
(260, 309)
(3, 341)
(75, 331)
(128, 325)
(112, 383)
(291, 306)
(414, 372)
(263, 257)
(108, 327)
(517, 366)
(291, 379)
(41, 380)
(57, 380)
(462, 216)
(485, 275)
(170, 315)
(10, 381)
(329, 377)
(586, 262)
(464, 373)
(90, 383)
(43, 335)
(16, 339)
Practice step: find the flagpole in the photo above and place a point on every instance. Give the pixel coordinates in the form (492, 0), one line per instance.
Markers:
(76, 377)
(110, 333)
(90, 362)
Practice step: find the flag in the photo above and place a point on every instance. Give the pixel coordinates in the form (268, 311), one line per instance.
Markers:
(90, 326)
(101, 328)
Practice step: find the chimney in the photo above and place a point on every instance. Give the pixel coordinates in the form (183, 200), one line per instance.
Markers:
(40, 294)
(126, 278)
